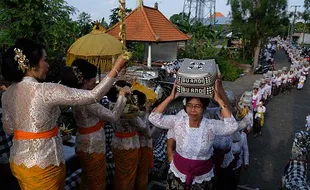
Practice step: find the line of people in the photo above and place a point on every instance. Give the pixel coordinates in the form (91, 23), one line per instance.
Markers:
(208, 135)
(31, 110)
(275, 82)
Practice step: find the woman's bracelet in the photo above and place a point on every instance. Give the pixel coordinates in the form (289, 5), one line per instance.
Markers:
(223, 107)
(116, 71)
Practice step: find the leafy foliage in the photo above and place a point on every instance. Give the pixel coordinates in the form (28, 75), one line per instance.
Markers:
(45, 21)
(84, 23)
(137, 50)
(202, 45)
(114, 17)
(104, 23)
(256, 20)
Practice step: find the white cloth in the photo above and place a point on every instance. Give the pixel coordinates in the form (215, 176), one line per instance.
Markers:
(127, 125)
(301, 82)
(256, 97)
(260, 109)
(145, 135)
(224, 143)
(87, 116)
(279, 81)
(284, 78)
(306, 70)
(246, 122)
(291, 77)
(31, 106)
(266, 91)
(241, 147)
(194, 143)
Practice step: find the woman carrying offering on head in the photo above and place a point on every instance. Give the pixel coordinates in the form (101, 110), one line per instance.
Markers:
(192, 166)
(31, 110)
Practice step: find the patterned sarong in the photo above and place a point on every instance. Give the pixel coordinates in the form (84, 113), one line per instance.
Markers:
(145, 163)
(93, 170)
(126, 164)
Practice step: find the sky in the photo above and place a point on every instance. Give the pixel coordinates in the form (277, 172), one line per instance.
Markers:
(102, 8)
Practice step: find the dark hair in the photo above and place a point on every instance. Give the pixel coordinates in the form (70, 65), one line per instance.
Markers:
(141, 97)
(87, 69)
(113, 92)
(122, 83)
(30, 49)
(205, 101)
(68, 76)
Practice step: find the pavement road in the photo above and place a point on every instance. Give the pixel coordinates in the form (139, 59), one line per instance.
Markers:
(286, 115)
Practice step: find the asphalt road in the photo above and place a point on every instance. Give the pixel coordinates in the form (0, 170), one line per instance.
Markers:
(269, 153)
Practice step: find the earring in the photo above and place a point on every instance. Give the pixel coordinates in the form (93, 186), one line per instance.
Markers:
(184, 102)
(34, 69)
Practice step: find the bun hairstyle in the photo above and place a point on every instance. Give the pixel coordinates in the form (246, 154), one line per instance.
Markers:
(74, 76)
(11, 68)
(87, 69)
(141, 97)
(113, 92)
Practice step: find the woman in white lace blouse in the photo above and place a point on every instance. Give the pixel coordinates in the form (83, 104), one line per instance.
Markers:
(90, 137)
(194, 134)
(126, 144)
(31, 110)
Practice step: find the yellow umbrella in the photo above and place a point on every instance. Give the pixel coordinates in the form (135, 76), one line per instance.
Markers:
(150, 94)
(97, 47)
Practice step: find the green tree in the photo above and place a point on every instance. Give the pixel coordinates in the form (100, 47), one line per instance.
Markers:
(299, 27)
(47, 22)
(307, 4)
(104, 23)
(256, 20)
(84, 23)
(114, 17)
(30, 18)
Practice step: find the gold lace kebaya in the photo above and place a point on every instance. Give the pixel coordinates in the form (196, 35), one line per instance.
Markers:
(31, 106)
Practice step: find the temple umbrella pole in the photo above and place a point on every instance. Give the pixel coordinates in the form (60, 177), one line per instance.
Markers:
(122, 34)
(149, 56)
(99, 73)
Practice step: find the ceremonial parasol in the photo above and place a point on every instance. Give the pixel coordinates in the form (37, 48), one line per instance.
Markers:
(100, 48)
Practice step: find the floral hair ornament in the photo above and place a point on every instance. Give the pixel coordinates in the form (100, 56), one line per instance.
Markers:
(78, 74)
(21, 60)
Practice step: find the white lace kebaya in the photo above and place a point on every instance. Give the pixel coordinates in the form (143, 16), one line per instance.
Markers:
(89, 115)
(241, 148)
(128, 125)
(145, 136)
(220, 142)
(194, 143)
(31, 106)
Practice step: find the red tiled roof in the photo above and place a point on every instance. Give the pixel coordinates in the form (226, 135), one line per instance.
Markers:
(217, 14)
(146, 24)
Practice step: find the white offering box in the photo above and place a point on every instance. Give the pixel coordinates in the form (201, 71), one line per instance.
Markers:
(196, 78)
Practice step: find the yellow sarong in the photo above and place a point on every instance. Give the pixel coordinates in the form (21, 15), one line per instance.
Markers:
(145, 163)
(126, 164)
(93, 170)
(36, 178)
(262, 121)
